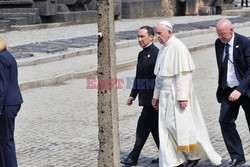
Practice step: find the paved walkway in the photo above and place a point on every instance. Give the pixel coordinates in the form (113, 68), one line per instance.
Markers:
(57, 125)
(89, 62)
(50, 68)
(30, 36)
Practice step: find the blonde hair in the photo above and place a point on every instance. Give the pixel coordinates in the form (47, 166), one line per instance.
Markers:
(3, 44)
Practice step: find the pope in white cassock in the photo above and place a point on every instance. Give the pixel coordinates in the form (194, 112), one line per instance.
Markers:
(182, 130)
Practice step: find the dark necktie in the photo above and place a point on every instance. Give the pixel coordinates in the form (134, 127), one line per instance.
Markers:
(224, 67)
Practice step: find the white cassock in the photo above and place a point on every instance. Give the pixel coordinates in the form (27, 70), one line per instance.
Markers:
(183, 133)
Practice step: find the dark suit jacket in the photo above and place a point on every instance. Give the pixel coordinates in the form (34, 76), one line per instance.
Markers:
(241, 58)
(144, 79)
(9, 89)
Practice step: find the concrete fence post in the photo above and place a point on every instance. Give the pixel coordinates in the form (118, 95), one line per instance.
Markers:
(108, 135)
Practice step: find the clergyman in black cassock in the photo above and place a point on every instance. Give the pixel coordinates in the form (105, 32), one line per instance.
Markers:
(143, 86)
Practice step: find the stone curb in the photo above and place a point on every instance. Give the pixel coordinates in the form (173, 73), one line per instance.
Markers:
(119, 45)
(39, 26)
(82, 74)
(71, 75)
(233, 12)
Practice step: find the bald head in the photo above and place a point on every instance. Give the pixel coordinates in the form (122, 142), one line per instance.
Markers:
(224, 30)
(224, 23)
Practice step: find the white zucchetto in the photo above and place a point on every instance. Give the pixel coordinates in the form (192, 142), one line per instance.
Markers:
(166, 23)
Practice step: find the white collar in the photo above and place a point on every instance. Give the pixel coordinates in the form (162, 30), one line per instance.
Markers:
(148, 45)
(171, 39)
(231, 42)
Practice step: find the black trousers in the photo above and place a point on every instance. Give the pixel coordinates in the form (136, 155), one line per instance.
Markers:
(7, 126)
(228, 115)
(147, 122)
(242, 3)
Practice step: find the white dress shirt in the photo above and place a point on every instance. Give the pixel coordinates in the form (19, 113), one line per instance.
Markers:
(232, 81)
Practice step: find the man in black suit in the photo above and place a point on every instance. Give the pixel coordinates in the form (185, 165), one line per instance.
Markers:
(233, 60)
(144, 86)
(10, 104)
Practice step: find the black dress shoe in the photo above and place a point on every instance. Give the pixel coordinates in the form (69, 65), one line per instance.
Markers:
(129, 162)
(155, 161)
(192, 163)
(236, 162)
